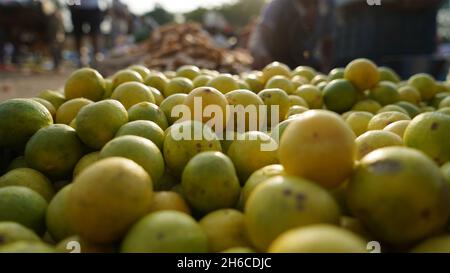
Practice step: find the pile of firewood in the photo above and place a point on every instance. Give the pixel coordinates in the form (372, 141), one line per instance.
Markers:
(175, 45)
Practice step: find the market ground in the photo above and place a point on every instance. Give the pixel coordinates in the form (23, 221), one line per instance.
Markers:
(27, 85)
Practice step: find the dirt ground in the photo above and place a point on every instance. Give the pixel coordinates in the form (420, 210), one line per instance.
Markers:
(26, 85)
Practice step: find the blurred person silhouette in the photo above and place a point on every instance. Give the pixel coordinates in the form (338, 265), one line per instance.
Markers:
(401, 34)
(86, 13)
(40, 29)
(121, 19)
(295, 32)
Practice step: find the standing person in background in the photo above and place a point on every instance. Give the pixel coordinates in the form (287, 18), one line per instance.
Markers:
(120, 21)
(401, 34)
(87, 13)
(295, 32)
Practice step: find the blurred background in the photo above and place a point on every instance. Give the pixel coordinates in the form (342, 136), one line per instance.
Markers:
(42, 41)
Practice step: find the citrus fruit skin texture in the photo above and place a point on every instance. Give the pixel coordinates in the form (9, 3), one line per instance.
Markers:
(336, 74)
(108, 89)
(281, 82)
(429, 133)
(97, 123)
(355, 226)
(140, 150)
(285, 202)
(319, 79)
(244, 98)
(54, 150)
(24, 206)
(320, 146)
(179, 150)
(254, 83)
(210, 182)
(69, 110)
(157, 80)
(19, 120)
(169, 200)
(18, 162)
(47, 105)
(410, 94)
(124, 76)
(275, 98)
(225, 229)
(27, 247)
(425, 84)
(297, 101)
(381, 120)
(107, 198)
(142, 70)
(410, 108)
(29, 178)
(398, 127)
(239, 250)
(446, 171)
(209, 96)
(437, 244)
(201, 80)
(131, 93)
(274, 69)
(363, 73)
(188, 71)
(256, 179)
(339, 96)
(57, 218)
(85, 83)
(318, 239)
(54, 97)
(148, 111)
(165, 232)
(143, 128)
(157, 95)
(304, 71)
(168, 103)
(367, 105)
(249, 155)
(178, 85)
(373, 140)
(85, 161)
(445, 102)
(294, 110)
(385, 93)
(11, 232)
(387, 74)
(243, 85)
(224, 83)
(399, 194)
(445, 110)
(393, 108)
(358, 122)
(311, 94)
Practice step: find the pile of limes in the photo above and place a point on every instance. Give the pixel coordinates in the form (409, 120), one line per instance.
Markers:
(349, 158)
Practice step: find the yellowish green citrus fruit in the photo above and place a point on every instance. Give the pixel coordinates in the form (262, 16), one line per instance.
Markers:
(321, 238)
(165, 232)
(285, 202)
(98, 123)
(132, 93)
(363, 73)
(69, 110)
(107, 198)
(85, 83)
(320, 146)
(399, 194)
(210, 182)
